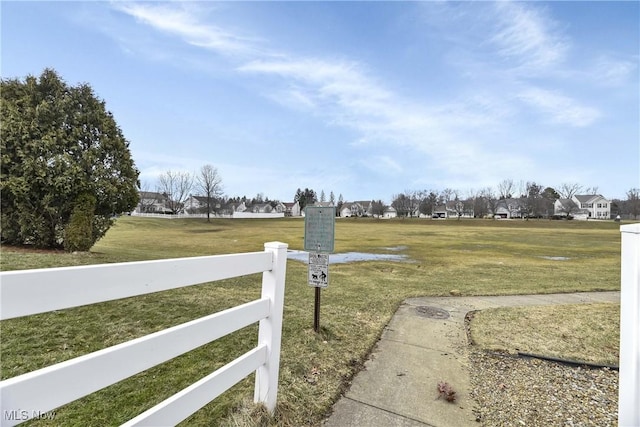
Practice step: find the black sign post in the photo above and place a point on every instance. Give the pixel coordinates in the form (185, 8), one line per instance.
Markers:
(319, 228)
(316, 311)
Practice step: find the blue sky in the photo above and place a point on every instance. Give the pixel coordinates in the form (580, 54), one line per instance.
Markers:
(365, 99)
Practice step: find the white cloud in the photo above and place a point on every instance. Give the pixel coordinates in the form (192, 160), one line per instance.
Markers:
(613, 72)
(559, 108)
(402, 130)
(179, 20)
(338, 82)
(383, 165)
(528, 36)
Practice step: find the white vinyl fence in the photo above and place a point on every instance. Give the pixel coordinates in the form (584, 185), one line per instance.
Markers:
(36, 291)
(178, 216)
(629, 378)
(235, 215)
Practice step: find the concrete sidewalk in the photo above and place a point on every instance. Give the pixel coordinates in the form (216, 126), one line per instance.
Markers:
(425, 343)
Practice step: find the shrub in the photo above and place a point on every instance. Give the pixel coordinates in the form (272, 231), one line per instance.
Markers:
(57, 142)
(78, 235)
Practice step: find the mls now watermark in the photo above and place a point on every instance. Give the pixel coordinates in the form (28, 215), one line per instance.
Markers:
(24, 415)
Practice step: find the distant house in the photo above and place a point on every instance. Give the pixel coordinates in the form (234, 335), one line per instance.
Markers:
(291, 209)
(584, 206)
(239, 207)
(462, 208)
(261, 208)
(279, 207)
(597, 206)
(358, 208)
(454, 209)
(440, 212)
(569, 208)
(228, 209)
(196, 204)
(508, 208)
(390, 212)
(267, 207)
(152, 202)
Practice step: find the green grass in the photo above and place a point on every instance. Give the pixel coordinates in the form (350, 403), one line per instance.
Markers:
(476, 257)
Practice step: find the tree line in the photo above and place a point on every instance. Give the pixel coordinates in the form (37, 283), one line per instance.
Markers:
(532, 198)
(175, 187)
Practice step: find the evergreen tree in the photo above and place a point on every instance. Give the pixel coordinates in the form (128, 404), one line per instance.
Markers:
(59, 145)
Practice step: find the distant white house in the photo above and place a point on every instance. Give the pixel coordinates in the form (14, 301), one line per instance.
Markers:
(261, 208)
(268, 207)
(195, 204)
(508, 208)
(454, 209)
(585, 206)
(358, 208)
(390, 212)
(152, 202)
(292, 209)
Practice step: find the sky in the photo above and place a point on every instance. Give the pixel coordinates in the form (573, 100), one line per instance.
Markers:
(363, 99)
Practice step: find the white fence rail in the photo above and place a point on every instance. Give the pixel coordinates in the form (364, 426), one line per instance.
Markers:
(178, 216)
(629, 378)
(238, 215)
(35, 291)
(235, 215)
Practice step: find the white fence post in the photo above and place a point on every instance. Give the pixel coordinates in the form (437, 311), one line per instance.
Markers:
(266, 387)
(629, 378)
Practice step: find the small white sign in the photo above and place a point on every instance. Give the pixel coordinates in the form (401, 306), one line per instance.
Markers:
(318, 270)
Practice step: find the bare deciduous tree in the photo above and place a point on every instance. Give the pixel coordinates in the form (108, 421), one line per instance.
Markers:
(568, 189)
(402, 204)
(458, 206)
(505, 189)
(377, 208)
(591, 190)
(532, 200)
(480, 205)
(176, 185)
(447, 195)
(632, 204)
(209, 185)
(428, 202)
(414, 203)
(568, 207)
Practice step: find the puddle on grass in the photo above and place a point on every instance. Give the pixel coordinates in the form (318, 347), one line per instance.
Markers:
(556, 258)
(396, 248)
(347, 257)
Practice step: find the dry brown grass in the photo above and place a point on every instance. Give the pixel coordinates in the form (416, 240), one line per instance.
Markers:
(475, 257)
(581, 332)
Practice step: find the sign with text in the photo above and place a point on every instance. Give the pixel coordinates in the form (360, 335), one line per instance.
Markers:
(318, 270)
(319, 227)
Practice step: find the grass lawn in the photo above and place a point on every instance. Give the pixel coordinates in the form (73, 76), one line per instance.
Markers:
(579, 332)
(475, 257)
